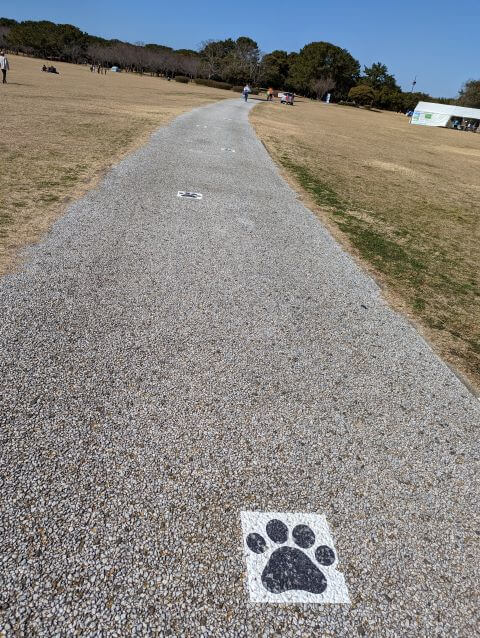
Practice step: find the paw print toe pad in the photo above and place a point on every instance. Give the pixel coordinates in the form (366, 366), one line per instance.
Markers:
(277, 531)
(256, 543)
(303, 536)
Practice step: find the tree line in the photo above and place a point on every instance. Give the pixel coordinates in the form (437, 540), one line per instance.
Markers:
(317, 69)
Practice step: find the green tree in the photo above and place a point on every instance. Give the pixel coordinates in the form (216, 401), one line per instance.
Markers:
(470, 94)
(158, 48)
(362, 94)
(275, 69)
(320, 60)
(214, 54)
(242, 63)
(234, 61)
(410, 100)
(7, 22)
(389, 99)
(377, 77)
(46, 39)
(188, 53)
(445, 100)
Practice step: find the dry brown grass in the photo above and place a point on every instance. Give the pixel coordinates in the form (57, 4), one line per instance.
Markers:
(60, 132)
(404, 199)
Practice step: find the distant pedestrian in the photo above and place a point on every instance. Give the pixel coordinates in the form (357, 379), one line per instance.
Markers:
(246, 91)
(270, 95)
(4, 66)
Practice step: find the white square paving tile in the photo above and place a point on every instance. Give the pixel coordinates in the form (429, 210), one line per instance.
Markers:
(291, 558)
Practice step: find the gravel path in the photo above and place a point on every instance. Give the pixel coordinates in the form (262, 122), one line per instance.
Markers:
(168, 363)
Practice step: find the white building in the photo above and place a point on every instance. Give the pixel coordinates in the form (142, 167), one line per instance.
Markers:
(432, 114)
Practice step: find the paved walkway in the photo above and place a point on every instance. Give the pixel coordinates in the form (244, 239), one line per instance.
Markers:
(168, 364)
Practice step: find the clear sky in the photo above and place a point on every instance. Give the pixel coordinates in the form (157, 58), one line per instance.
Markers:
(437, 41)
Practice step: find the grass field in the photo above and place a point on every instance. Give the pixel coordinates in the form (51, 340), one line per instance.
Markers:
(60, 132)
(404, 199)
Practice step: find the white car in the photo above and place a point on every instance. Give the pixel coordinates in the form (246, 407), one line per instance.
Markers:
(286, 98)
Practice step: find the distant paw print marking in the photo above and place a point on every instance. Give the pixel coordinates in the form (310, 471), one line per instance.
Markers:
(288, 567)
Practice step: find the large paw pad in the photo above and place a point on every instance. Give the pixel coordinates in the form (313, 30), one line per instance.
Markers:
(288, 562)
(289, 567)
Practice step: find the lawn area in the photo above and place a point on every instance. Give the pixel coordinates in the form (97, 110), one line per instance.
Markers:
(60, 132)
(403, 199)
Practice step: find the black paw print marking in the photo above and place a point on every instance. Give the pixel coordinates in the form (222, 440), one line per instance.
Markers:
(289, 567)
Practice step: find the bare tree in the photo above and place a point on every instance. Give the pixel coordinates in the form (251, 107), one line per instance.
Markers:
(3, 36)
(95, 53)
(190, 65)
(74, 52)
(321, 85)
(139, 59)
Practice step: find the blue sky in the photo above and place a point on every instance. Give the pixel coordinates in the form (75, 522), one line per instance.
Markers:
(436, 41)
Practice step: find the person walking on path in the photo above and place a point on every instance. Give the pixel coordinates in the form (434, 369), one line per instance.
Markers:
(246, 91)
(4, 66)
(270, 95)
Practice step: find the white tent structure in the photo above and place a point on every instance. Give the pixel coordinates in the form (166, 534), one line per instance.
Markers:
(432, 114)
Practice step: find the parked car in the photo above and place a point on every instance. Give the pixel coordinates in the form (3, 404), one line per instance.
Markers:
(287, 98)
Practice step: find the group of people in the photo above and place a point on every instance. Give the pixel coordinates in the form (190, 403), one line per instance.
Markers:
(96, 68)
(49, 69)
(463, 124)
(4, 66)
(247, 90)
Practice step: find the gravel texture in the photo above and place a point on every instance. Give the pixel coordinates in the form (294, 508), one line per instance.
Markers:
(168, 363)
